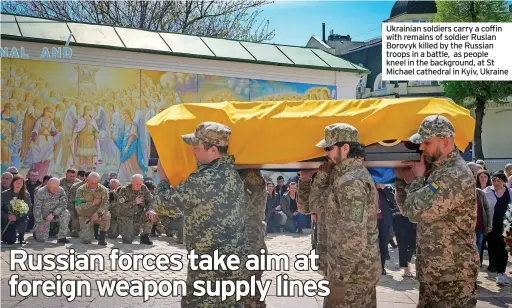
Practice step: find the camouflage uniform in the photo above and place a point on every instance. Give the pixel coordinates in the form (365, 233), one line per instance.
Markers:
(212, 199)
(113, 231)
(320, 243)
(443, 205)
(85, 209)
(256, 195)
(74, 224)
(132, 217)
(351, 201)
(45, 204)
(67, 185)
(173, 225)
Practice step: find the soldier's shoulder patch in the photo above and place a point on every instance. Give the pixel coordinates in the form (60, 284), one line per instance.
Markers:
(37, 203)
(249, 191)
(433, 186)
(356, 211)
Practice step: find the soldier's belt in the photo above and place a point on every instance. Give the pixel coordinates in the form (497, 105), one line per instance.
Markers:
(386, 154)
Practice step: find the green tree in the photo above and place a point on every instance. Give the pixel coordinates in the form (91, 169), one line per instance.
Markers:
(475, 94)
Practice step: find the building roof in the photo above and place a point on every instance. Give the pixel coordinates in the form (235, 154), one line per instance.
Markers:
(370, 43)
(23, 28)
(413, 7)
(319, 41)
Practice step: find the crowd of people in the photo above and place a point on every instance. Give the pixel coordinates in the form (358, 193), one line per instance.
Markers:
(78, 205)
(219, 209)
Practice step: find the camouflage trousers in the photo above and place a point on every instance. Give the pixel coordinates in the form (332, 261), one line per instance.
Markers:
(63, 219)
(254, 301)
(130, 226)
(191, 301)
(173, 226)
(321, 245)
(450, 294)
(87, 229)
(359, 290)
(74, 224)
(113, 231)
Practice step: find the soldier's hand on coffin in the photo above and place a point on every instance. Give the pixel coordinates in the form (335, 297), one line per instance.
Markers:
(306, 175)
(96, 201)
(405, 174)
(418, 168)
(327, 166)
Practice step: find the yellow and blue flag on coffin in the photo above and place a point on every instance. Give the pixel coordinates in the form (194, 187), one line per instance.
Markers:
(284, 132)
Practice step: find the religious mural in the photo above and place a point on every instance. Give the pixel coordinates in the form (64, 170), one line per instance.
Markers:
(61, 115)
(264, 90)
(214, 89)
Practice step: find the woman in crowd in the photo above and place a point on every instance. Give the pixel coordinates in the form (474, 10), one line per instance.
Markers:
(484, 214)
(483, 180)
(499, 196)
(16, 190)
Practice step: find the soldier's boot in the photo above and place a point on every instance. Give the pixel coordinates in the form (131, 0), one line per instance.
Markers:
(96, 228)
(144, 239)
(179, 236)
(101, 238)
(63, 241)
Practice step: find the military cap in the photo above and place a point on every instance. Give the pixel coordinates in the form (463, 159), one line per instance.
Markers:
(433, 126)
(209, 132)
(338, 132)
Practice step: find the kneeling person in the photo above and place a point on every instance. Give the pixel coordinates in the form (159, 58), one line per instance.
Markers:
(50, 205)
(134, 200)
(91, 204)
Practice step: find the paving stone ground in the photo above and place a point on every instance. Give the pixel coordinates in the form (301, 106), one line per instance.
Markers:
(393, 290)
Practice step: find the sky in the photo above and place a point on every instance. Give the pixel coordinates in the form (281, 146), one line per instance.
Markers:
(295, 22)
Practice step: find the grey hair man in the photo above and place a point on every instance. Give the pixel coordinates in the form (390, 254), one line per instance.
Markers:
(133, 201)
(6, 180)
(51, 204)
(91, 204)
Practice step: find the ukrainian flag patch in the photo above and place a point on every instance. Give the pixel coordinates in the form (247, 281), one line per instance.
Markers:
(248, 191)
(433, 187)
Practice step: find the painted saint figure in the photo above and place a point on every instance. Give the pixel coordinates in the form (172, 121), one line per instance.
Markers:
(128, 143)
(85, 137)
(44, 137)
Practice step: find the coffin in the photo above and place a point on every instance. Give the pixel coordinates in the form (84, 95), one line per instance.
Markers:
(282, 135)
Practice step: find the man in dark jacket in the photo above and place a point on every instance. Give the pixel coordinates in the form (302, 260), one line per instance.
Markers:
(31, 184)
(384, 221)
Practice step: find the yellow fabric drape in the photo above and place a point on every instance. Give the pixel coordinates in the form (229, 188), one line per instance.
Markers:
(287, 131)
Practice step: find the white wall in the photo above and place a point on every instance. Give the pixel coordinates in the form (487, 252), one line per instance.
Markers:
(345, 82)
(496, 137)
